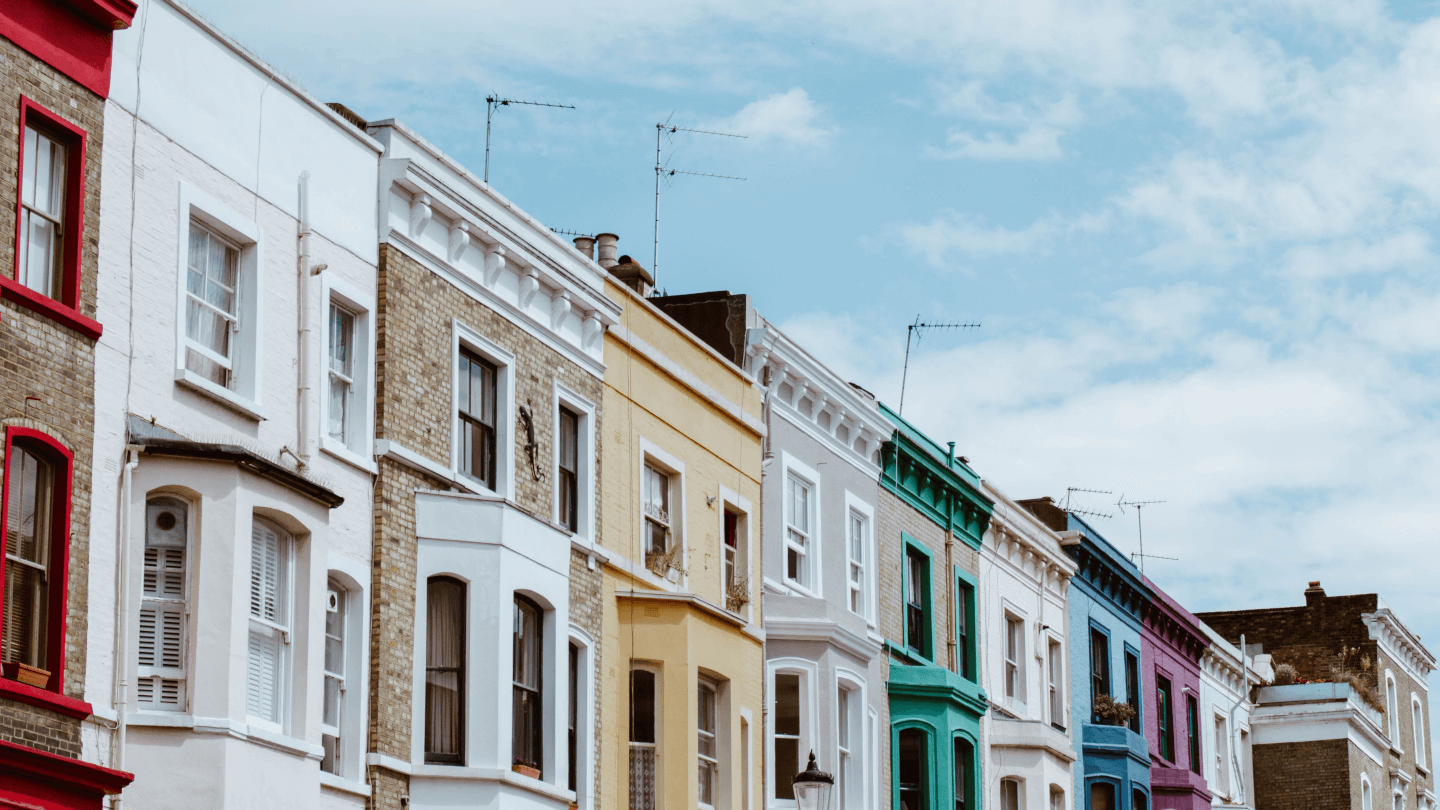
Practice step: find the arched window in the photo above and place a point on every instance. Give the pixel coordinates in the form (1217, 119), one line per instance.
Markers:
(1011, 794)
(444, 670)
(332, 713)
(527, 734)
(965, 774)
(1366, 797)
(787, 732)
(1392, 709)
(160, 653)
(1102, 796)
(1138, 800)
(644, 753)
(1418, 728)
(1057, 797)
(914, 787)
(36, 510)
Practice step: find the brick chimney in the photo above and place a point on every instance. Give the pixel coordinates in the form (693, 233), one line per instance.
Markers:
(629, 272)
(1314, 594)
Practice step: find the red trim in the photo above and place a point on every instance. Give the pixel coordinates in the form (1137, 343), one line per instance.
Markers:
(73, 36)
(41, 699)
(31, 778)
(67, 309)
(59, 546)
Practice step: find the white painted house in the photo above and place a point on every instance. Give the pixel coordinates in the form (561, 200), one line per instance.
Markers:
(1028, 744)
(233, 452)
(1226, 681)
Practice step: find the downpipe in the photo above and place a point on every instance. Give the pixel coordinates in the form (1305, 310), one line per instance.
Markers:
(121, 691)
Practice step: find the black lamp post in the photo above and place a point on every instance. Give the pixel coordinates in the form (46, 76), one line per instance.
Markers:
(812, 787)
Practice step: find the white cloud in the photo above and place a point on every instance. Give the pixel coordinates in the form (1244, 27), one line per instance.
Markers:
(791, 118)
(1033, 143)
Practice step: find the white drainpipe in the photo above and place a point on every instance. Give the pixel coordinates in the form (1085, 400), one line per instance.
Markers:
(302, 436)
(121, 692)
(1234, 732)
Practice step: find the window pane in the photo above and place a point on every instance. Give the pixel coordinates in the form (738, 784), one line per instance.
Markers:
(787, 733)
(642, 706)
(444, 670)
(1102, 796)
(964, 774)
(912, 770)
(27, 558)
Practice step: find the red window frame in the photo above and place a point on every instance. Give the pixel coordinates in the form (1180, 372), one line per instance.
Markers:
(59, 552)
(66, 310)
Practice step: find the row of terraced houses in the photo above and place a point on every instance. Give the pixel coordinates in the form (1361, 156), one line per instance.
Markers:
(332, 479)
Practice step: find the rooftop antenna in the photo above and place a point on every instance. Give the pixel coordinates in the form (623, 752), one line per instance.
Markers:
(1069, 491)
(663, 170)
(1140, 527)
(494, 101)
(917, 330)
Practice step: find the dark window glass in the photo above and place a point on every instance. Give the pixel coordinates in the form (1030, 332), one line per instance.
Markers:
(1099, 667)
(964, 773)
(917, 581)
(444, 670)
(1102, 796)
(787, 733)
(912, 770)
(1192, 720)
(477, 418)
(1139, 801)
(527, 738)
(29, 532)
(1165, 718)
(962, 631)
(642, 706)
(732, 547)
(1132, 688)
(574, 709)
(569, 470)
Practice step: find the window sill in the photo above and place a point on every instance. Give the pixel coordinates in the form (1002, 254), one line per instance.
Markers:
(43, 699)
(160, 719)
(796, 589)
(908, 655)
(344, 785)
(508, 777)
(224, 396)
(345, 454)
(49, 308)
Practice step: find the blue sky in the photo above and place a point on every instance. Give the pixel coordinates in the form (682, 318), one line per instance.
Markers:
(1198, 235)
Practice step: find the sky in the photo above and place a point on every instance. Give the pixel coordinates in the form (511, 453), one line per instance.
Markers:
(1197, 236)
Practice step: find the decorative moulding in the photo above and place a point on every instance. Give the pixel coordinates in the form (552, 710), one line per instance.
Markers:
(529, 285)
(559, 308)
(494, 263)
(420, 214)
(459, 241)
(592, 329)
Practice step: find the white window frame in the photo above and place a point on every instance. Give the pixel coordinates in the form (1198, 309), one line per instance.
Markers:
(1417, 719)
(652, 454)
(1017, 699)
(463, 336)
(352, 576)
(287, 629)
(585, 717)
(358, 447)
(809, 712)
(814, 559)
(744, 558)
(854, 504)
(585, 460)
(659, 745)
(1220, 749)
(1367, 793)
(245, 394)
(183, 673)
(1392, 700)
(1056, 683)
(860, 750)
(717, 790)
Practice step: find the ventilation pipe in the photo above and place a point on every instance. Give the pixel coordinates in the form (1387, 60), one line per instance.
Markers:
(586, 245)
(302, 365)
(609, 249)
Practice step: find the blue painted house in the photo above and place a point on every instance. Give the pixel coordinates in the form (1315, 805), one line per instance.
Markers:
(1106, 600)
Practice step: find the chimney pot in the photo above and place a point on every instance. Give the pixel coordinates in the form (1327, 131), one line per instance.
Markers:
(586, 245)
(609, 249)
(1314, 594)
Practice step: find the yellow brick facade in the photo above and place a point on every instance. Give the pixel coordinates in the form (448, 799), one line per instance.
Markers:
(667, 392)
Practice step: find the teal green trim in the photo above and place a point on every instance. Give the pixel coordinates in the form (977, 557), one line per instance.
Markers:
(947, 708)
(925, 649)
(966, 587)
(934, 482)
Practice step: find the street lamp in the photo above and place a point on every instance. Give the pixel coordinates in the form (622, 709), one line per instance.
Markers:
(812, 787)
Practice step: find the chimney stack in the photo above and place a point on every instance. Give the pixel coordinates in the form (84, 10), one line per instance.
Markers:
(1314, 594)
(586, 245)
(609, 249)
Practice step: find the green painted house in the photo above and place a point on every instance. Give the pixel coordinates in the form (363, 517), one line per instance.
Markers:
(929, 526)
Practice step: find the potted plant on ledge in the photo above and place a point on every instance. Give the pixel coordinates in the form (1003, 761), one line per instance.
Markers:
(525, 767)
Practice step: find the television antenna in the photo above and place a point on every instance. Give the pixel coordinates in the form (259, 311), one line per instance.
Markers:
(1069, 491)
(494, 102)
(917, 330)
(663, 170)
(1140, 528)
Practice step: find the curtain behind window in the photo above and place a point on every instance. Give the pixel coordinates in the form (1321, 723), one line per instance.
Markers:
(444, 670)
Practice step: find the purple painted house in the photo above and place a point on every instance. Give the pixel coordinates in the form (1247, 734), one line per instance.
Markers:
(1171, 646)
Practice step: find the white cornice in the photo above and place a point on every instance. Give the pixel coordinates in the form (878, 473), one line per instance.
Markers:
(828, 632)
(1400, 644)
(1019, 538)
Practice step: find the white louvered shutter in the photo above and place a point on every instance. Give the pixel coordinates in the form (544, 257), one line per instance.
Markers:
(269, 629)
(164, 608)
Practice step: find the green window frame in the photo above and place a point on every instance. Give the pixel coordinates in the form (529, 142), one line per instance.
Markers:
(1192, 721)
(1164, 711)
(917, 618)
(967, 642)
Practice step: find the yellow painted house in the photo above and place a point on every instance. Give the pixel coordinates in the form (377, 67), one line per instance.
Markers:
(682, 648)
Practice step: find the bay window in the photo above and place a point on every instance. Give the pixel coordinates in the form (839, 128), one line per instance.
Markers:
(271, 568)
(160, 654)
(787, 733)
(644, 754)
(709, 765)
(332, 714)
(912, 777)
